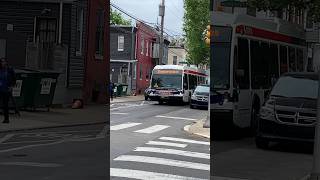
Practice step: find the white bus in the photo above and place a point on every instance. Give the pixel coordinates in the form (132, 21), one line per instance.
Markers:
(247, 56)
(174, 83)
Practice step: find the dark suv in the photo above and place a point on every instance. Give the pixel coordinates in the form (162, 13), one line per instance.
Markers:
(289, 113)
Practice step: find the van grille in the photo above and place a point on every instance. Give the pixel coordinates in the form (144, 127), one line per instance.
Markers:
(299, 118)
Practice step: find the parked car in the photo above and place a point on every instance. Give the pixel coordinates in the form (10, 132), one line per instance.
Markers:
(146, 94)
(289, 112)
(200, 97)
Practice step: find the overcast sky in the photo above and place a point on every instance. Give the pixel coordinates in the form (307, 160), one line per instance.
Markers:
(148, 10)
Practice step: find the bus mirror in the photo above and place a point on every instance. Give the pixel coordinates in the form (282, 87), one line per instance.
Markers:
(240, 72)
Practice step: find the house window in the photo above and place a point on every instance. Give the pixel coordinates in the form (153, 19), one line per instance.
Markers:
(147, 54)
(141, 74)
(3, 44)
(134, 75)
(120, 43)
(79, 31)
(174, 60)
(46, 30)
(142, 45)
(99, 32)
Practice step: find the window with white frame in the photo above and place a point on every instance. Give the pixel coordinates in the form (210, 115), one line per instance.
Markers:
(120, 43)
(134, 75)
(79, 31)
(147, 53)
(142, 45)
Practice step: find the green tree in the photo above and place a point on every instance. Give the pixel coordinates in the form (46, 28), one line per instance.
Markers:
(196, 19)
(278, 5)
(117, 19)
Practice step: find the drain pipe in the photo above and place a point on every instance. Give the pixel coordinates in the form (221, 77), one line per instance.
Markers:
(60, 22)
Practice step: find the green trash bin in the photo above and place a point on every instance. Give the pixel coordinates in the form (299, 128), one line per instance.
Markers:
(23, 92)
(45, 90)
(124, 89)
(119, 90)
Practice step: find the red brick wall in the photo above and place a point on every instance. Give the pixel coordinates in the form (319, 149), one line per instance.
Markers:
(96, 70)
(143, 59)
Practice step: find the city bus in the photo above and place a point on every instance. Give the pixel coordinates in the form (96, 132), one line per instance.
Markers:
(174, 83)
(247, 57)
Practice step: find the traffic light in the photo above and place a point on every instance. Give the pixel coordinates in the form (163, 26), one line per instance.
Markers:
(208, 35)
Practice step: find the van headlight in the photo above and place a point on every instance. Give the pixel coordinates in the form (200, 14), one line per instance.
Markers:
(267, 113)
(194, 97)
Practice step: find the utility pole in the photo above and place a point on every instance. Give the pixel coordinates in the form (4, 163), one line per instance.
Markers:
(161, 13)
(315, 174)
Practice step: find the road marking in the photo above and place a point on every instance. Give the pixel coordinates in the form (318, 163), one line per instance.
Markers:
(185, 140)
(159, 143)
(6, 137)
(152, 129)
(145, 175)
(118, 113)
(33, 164)
(123, 126)
(226, 178)
(163, 161)
(142, 103)
(174, 152)
(172, 117)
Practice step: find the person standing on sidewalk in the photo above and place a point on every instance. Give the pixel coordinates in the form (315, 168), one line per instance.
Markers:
(111, 86)
(7, 81)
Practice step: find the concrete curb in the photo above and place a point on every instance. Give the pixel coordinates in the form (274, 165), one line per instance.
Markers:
(187, 129)
(307, 177)
(52, 127)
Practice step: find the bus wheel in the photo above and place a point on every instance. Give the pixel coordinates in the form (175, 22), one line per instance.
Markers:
(254, 119)
(262, 143)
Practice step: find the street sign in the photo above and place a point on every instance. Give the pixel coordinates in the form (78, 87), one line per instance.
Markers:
(233, 3)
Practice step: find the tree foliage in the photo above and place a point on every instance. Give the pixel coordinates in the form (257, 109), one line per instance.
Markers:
(313, 6)
(117, 19)
(196, 19)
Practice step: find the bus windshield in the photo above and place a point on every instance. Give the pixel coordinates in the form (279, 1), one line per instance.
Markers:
(220, 57)
(166, 81)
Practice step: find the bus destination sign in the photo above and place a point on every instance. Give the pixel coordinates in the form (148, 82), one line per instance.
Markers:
(167, 71)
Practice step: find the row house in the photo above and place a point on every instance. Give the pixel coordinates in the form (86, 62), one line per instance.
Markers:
(134, 52)
(67, 36)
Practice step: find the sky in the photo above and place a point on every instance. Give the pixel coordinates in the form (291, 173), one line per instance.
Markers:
(148, 10)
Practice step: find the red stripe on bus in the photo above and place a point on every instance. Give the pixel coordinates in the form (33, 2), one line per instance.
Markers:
(251, 31)
(194, 72)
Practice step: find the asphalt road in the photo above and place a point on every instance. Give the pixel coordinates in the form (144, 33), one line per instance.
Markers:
(148, 142)
(77, 153)
(240, 159)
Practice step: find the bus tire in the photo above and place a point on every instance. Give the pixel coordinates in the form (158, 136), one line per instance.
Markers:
(254, 116)
(262, 143)
(160, 102)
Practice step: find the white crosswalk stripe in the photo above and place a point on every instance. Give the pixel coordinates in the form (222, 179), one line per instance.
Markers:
(160, 143)
(184, 140)
(123, 126)
(145, 175)
(152, 129)
(163, 161)
(173, 152)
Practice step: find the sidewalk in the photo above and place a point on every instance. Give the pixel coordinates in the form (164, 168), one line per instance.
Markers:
(198, 129)
(127, 99)
(57, 117)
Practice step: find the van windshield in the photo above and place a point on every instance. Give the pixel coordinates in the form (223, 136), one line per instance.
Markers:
(296, 87)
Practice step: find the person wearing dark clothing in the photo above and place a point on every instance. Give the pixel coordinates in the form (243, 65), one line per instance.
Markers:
(7, 81)
(111, 91)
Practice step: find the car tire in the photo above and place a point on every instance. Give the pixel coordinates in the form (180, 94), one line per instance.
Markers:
(262, 143)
